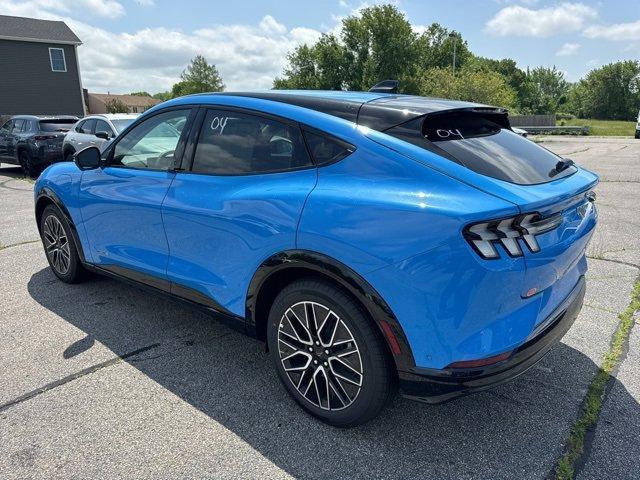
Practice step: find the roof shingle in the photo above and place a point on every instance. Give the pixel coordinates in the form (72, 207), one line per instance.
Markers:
(23, 28)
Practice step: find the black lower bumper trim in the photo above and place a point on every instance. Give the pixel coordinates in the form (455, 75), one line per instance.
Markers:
(437, 386)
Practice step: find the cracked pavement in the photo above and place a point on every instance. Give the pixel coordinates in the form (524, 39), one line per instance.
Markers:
(102, 379)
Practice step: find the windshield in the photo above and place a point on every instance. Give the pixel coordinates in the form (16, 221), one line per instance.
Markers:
(120, 125)
(484, 146)
(60, 125)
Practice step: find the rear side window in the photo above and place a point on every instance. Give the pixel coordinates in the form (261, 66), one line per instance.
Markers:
(236, 143)
(60, 125)
(485, 146)
(325, 149)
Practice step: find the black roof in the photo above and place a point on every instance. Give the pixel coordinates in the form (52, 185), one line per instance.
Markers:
(35, 30)
(375, 110)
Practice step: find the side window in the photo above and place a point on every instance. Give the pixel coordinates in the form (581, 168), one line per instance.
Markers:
(7, 126)
(325, 149)
(87, 126)
(79, 127)
(17, 125)
(102, 126)
(234, 143)
(152, 143)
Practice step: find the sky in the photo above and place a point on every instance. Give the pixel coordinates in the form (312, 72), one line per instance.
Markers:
(132, 45)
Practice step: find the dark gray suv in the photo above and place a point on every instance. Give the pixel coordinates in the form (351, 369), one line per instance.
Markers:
(33, 142)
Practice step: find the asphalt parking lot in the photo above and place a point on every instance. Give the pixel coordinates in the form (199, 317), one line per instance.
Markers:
(102, 380)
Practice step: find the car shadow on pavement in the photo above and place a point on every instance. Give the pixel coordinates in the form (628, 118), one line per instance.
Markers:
(516, 430)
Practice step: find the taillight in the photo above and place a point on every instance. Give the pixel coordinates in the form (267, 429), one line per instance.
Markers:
(484, 236)
(44, 137)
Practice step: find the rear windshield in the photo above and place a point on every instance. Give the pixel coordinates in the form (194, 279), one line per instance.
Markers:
(481, 144)
(59, 125)
(122, 124)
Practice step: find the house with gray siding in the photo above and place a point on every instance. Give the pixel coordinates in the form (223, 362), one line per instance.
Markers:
(39, 72)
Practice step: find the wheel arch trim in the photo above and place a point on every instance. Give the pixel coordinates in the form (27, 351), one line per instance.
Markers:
(347, 278)
(47, 195)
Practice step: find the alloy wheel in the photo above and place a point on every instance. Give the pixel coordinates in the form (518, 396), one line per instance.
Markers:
(56, 244)
(320, 355)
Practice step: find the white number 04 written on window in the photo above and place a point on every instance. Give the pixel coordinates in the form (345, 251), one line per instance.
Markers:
(218, 123)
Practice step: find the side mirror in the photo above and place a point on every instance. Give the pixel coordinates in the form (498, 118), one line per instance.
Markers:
(88, 158)
(103, 135)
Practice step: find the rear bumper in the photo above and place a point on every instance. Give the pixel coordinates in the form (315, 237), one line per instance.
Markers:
(436, 386)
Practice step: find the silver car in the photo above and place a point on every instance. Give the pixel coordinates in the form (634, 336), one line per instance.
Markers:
(95, 131)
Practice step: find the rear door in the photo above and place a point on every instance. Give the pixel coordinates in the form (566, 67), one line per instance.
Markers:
(121, 201)
(237, 204)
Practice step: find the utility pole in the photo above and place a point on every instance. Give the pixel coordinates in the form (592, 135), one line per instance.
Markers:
(454, 37)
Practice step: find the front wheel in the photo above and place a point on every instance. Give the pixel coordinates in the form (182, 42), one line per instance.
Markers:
(328, 354)
(59, 246)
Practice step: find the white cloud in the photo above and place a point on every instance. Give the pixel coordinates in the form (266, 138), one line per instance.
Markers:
(543, 22)
(146, 3)
(152, 59)
(619, 31)
(568, 49)
(49, 8)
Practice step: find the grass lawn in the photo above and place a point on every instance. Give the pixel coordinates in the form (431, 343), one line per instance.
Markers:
(603, 127)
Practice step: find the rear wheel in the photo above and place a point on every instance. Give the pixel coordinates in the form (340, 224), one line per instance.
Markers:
(68, 155)
(59, 246)
(637, 133)
(26, 162)
(327, 354)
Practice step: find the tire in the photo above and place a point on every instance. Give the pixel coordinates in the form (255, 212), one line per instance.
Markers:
(68, 155)
(347, 335)
(26, 163)
(637, 133)
(59, 246)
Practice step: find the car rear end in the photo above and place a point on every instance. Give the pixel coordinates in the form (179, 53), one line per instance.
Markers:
(46, 142)
(519, 278)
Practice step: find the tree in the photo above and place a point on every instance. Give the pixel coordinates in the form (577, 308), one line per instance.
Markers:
(609, 92)
(198, 77)
(115, 105)
(379, 44)
(162, 95)
(467, 84)
(141, 94)
(436, 46)
(544, 91)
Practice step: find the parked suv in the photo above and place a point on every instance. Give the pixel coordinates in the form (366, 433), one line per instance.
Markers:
(372, 240)
(33, 142)
(95, 130)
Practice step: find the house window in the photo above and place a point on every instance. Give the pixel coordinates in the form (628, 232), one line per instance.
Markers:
(58, 63)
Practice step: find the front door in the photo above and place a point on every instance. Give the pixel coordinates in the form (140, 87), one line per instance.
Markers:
(121, 201)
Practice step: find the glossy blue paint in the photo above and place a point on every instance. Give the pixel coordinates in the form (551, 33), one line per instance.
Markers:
(221, 228)
(392, 212)
(123, 220)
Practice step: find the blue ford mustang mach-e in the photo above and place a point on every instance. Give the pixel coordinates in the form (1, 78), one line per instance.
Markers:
(373, 240)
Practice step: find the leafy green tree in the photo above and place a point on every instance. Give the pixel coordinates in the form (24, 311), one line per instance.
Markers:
(162, 95)
(436, 45)
(378, 44)
(610, 92)
(544, 91)
(115, 105)
(198, 77)
(141, 94)
(468, 84)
